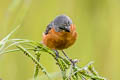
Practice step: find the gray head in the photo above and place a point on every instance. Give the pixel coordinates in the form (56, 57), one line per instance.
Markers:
(62, 22)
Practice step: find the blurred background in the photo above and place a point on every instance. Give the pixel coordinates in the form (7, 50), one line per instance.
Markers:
(98, 27)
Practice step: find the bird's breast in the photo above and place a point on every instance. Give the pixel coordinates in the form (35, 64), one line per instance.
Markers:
(60, 40)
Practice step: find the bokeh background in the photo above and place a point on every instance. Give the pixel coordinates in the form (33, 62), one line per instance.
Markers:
(98, 27)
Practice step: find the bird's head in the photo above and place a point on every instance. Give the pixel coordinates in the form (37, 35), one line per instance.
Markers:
(62, 23)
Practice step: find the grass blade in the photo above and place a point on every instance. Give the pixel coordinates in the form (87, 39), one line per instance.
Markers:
(4, 40)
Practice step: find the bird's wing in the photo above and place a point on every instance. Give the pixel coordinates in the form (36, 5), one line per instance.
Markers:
(48, 28)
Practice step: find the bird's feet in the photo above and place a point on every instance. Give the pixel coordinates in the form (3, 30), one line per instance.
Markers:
(73, 62)
(57, 54)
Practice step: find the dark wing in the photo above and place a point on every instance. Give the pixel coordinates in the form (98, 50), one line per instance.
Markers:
(48, 28)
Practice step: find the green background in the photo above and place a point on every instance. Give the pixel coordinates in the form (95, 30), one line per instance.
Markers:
(98, 27)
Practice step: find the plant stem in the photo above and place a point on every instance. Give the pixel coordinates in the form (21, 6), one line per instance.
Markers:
(34, 60)
(37, 66)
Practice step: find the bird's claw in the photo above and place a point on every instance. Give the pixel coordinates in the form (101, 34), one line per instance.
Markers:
(73, 62)
(57, 54)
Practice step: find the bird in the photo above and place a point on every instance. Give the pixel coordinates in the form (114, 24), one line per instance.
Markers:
(60, 34)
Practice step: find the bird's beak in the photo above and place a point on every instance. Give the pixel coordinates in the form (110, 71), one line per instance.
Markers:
(67, 29)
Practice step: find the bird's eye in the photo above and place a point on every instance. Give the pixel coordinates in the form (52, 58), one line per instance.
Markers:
(68, 22)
